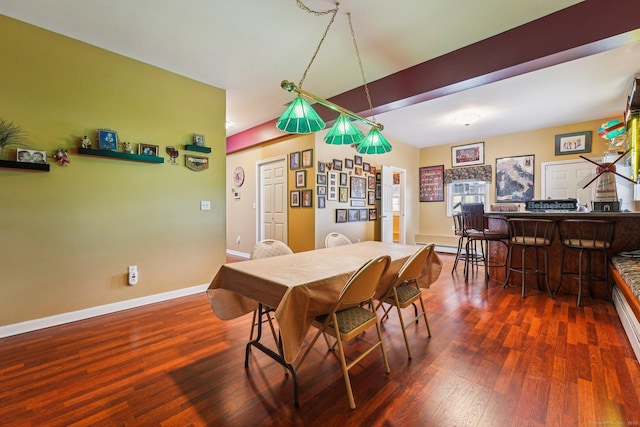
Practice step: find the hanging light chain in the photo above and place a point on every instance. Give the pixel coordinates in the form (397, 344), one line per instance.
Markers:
(334, 12)
(364, 80)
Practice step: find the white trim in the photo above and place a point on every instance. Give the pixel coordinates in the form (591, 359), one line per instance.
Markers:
(629, 321)
(238, 253)
(73, 316)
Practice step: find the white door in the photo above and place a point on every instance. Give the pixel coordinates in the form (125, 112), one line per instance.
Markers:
(272, 199)
(565, 179)
(386, 205)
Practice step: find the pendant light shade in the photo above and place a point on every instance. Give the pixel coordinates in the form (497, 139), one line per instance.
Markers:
(343, 131)
(374, 143)
(300, 117)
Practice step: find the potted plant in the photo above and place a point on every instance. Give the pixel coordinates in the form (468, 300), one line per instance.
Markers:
(11, 135)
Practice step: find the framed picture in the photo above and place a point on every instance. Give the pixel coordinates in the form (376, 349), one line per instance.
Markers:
(358, 187)
(321, 179)
(371, 197)
(343, 179)
(321, 202)
(108, 139)
(373, 214)
(307, 198)
(467, 155)
(31, 156)
(363, 215)
(357, 160)
(148, 149)
(372, 170)
(354, 215)
(322, 167)
(322, 190)
(358, 203)
(514, 179)
(431, 183)
(371, 182)
(307, 158)
(332, 185)
(378, 191)
(337, 165)
(295, 198)
(358, 170)
(366, 167)
(378, 176)
(341, 215)
(198, 140)
(301, 179)
(573, 143)
(294, 160)
(343, 195)
(348, 163)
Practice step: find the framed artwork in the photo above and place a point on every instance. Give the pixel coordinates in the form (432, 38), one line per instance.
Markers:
(358, 203)
(31, 156)
(371, 182)
(341, 215)
(348, 163)
(372, 170)
(307, 197)
(321, 179)
(378, 176)
(373, 214)
(301, 179)
(343, 195)
(363, 215)
(378, 191)
(431, 183)
(467, 155)
(321, 202)
(294, 160)
(514, 178)
(322, 190)
(343, 179)
(366, 167)
(337, 165)
(332, 185)
(371, 197)
(294, 198)
(358, 187)
(354, 215)
(358, 170)
(573, 143)
(198, 140)
(322, 167)
(108, 140)
(148, 149)
(307, 158)
(357, 160)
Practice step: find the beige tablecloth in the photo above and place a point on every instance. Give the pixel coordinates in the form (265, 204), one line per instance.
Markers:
(303, 285)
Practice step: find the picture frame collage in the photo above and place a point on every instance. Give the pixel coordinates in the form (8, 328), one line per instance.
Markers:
(302, 196)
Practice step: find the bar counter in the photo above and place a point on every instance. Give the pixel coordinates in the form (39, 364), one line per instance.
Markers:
(626, 238)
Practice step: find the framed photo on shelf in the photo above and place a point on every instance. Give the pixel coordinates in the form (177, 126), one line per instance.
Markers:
(295, 198)
(354, 215)
(307, 198)
(514, 178)
(301, 179)
(341, 215)
(573, 143)
(294, 160)
(467, 155)
(108, 140)
(358, 187)
(432, 183)
(307, 158)
(31, 156)
(148, 149)
(198, 140)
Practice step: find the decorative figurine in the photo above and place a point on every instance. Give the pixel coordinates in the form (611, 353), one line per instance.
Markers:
(126, 146)
(173, 155)
(62, 157)
(86, 142)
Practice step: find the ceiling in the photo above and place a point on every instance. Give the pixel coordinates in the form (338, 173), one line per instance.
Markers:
(248, 47)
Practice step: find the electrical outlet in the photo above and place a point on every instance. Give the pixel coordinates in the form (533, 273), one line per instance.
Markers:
(205, 205)
(133, 274)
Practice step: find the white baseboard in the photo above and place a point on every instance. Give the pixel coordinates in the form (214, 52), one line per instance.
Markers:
(629, 321)
(73, 316)
(238, 253)
(446, 249)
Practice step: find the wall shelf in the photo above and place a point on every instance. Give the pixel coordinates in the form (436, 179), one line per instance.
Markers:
(191, 147)
(121, 155)
(24, 165)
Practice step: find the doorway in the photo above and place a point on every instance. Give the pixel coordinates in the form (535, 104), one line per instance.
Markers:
(393, 224)
(272, 221)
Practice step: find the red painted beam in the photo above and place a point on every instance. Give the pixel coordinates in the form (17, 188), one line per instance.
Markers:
(586, 28)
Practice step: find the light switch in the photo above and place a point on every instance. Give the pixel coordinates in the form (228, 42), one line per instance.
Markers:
(205, 205)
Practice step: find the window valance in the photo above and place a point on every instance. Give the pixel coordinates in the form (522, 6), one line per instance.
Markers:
(476, 173)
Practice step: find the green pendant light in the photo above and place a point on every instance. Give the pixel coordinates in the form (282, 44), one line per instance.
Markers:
(374, 143)
(300, 117)
(343, 131)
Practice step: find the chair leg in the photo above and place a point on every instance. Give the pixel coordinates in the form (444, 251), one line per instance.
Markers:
(345, 373)
(508, 266)
(404, 331)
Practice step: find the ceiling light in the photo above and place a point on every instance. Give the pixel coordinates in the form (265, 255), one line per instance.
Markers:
(343, 132)
(467, 119)
(374, 143)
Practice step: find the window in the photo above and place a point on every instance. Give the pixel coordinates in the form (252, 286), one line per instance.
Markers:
(466, 192)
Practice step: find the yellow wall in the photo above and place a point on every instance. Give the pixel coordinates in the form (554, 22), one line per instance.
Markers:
(67, 236)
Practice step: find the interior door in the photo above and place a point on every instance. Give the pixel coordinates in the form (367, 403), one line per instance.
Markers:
(272, 196)
(386, 205)
(563, 180)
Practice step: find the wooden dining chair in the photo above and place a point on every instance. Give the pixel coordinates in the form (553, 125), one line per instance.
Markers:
(351, 315)
(404, 291)
(336, 239)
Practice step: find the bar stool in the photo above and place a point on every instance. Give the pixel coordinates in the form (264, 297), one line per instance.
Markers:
(478, 233)
(529, 233)
(472, 223)
(585, 236)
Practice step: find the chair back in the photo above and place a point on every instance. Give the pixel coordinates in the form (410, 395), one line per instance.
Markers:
(531, 231)
(473, 216)
(412, 267)
(362, 284)
(458, 224)
(268, 248)
(579, 233)
(336, 239)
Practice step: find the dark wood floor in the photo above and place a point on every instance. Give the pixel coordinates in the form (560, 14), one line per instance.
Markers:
(494, 360)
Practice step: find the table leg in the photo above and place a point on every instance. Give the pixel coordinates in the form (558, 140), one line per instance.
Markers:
(278, 357)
